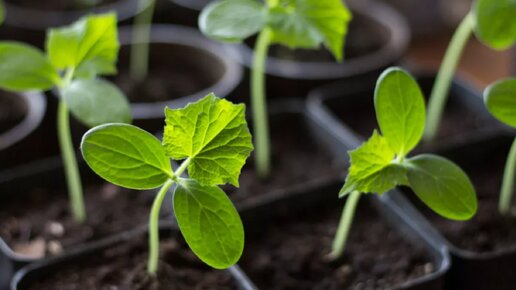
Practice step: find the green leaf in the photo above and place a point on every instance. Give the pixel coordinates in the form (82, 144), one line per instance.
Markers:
(442, 186)
(495, 22)
(209, 223)
(232, 20)
(96, 101)
(500, 99)
(400, 110)
(90, 45)
(310, 23)
(126, 155)
(372, 168)
(24, 68)
(213, 133)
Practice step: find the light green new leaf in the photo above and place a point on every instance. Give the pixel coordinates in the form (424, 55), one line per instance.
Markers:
(372, 169)
(96, 101)
(442, 186)
(500, 99)
(496, 22)
(232, 20)
(126, 155)
(213, 133)
(209, 223)
(90, 45)
(310, 23)
(400, 110)
(24, 68)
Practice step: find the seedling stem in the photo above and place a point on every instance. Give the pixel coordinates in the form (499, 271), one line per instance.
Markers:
(508, 181)
(139, 66)
(339, 242)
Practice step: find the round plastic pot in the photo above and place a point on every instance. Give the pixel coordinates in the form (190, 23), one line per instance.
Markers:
(424, 17)
(32, 272)
(470, 270)
(348, 108)
(378, 34)
(183, 12)
(18, 143)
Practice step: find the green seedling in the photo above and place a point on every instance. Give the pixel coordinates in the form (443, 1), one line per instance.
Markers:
(139, 64)
(76, 54)
(493, 22)
(500, 100)
(295, 23)
(382, 162)
(212, 139)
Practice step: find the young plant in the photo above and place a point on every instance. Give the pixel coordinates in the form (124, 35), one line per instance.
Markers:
(382, 162)
(294, 23)
(212, 138)
(139, 63)
(500, 100)
(493, 22)
(76, 54)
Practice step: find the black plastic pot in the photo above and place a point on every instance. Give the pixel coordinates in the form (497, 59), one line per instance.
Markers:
(22, 114)
(378, 37)
(27, 275)
(348, 108)
(183, 12)
(425, 17)
(472, 270)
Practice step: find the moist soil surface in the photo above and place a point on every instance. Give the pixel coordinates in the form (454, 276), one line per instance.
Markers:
(41, 224)
(59, 5)
(487, 231)
(290, 253)
(296, 158)
(123, 267)
(11, 111)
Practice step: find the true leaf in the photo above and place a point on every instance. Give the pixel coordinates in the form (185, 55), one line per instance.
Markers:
(96, 101)
(232, 20)
(213, 133)
(90, 45)
(442, 186)
(126, 155)
(209, 223)
(400, 110)
(495, 22)
(372, 169)
(500, 99)
(310, 23)
(23, 68)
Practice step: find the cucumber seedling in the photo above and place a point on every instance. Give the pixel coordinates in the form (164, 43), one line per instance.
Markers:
(76, 55)
(212, 139)
(500, 100)
(493, 22)
(294, 23)
(381, 163)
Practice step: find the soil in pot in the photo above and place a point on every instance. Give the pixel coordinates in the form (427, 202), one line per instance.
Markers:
(290, 252)
(40, 223)
(12, 111)
(296, 158)
(58, 5)
(123, 267)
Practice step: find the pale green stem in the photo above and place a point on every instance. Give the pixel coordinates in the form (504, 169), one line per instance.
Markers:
(444, 78)
(259, 104)
(508, 181)
(139, 65)
(152, 266)
(341, 237)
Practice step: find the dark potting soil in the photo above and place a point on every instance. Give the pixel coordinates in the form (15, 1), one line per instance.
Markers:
(296, 158)
(487, 231)
(59, 5)
(41, 224)
(174, 71)
(290, 253)
(12, 111)
(123, 267)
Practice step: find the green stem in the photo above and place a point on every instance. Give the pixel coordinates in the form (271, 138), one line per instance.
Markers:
(259, 104)
(139, 65)
(508, 181)
(73, 178)
(341, 237)
(444, 78)
(152, 266)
